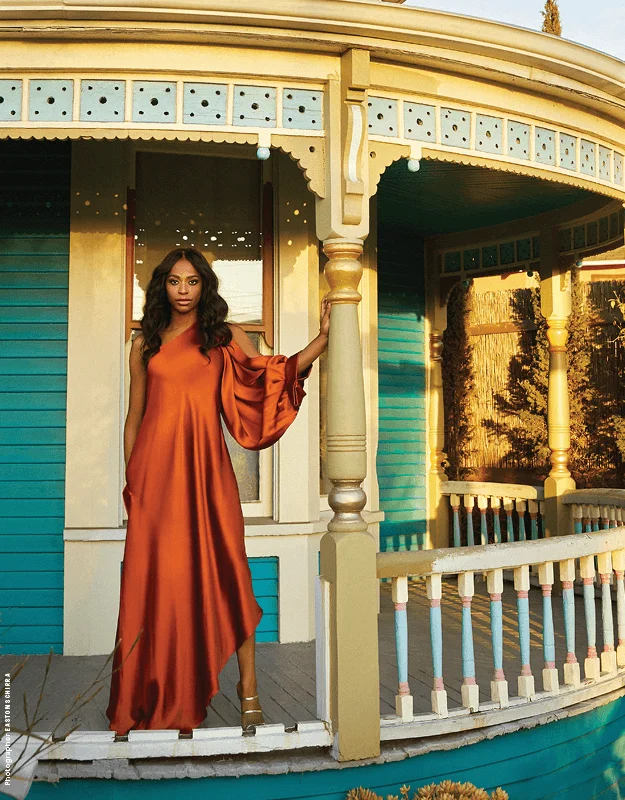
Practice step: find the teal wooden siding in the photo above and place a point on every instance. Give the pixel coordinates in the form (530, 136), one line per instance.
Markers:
(34, 262)
(401, 456)
(579, 758)
(266, 588)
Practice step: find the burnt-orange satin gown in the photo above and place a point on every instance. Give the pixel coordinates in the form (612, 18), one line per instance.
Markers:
(185, 578)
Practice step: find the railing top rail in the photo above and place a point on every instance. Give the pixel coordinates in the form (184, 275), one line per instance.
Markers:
(515, 490)
(453, 560)
(595, 497)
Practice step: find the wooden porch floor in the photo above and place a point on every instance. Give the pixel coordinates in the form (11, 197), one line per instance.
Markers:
(286, 672)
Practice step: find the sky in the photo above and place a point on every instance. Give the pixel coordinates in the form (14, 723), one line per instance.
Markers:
(601, 27)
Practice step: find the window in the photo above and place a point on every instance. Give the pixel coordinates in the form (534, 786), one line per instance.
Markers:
(222, 207)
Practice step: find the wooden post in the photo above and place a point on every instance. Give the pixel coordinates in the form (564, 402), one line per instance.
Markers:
(438, 505)
(555, 289)
(348, 551)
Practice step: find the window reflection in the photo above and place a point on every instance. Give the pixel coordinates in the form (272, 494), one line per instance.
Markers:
(206, 202)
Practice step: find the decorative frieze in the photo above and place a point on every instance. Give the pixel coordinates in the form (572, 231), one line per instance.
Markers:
(463, 130)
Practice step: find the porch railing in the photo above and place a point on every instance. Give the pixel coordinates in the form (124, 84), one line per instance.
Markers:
(506, 512)
(603, 672)
(595, 509)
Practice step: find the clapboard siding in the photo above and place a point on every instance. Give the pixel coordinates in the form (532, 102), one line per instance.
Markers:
(401, 385)
(34, 272)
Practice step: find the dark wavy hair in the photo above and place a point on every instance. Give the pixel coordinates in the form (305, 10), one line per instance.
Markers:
(212, 308)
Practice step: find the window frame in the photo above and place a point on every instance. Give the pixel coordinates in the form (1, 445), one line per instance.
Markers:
(264, 506)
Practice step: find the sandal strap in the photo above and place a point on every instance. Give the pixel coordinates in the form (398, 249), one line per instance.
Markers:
(255, 697)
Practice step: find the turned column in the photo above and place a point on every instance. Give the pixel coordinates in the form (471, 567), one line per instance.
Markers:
(556, 308)
(348, 551)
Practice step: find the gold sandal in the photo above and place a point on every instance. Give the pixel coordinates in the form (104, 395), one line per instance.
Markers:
(251, 716)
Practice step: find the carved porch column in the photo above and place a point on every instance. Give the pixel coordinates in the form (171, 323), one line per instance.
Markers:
(555, 291)
(348, 550)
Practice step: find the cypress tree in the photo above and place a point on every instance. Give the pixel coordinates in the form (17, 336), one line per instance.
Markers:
(551, 18)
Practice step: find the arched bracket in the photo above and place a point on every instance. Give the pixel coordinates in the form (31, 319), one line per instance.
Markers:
(309, 153)
(383, 154)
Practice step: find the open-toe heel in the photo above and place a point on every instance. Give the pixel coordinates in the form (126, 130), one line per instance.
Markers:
(250, 717)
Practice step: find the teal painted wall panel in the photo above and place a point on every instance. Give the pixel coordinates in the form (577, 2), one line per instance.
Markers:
(401, 385)
(34, 274)
(580, 758)
(266, 587)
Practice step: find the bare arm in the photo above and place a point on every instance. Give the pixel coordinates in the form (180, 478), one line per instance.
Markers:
(136, 405)
(310, 353)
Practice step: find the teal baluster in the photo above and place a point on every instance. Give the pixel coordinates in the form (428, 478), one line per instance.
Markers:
(403, 699)
(520, 510)
(454, 499)
(550, 672)
(495, 503)
(469, 503)
(571, 667)
(435, 594)
(591, 664)
(470, 689)
(522, 586)
(499, 684)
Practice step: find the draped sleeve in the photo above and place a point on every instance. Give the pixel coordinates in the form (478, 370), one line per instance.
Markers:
(260, 395)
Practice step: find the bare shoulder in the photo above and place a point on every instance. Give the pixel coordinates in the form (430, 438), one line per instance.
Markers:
(242, 339)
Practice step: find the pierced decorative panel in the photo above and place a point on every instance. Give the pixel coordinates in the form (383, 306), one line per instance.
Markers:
(536, 247)
(579, 236)
(102, 101)
(302, 108)
(205, 103)
(604, 232)
(519, 140)
(490, 256)
(523, 250)
(455, 127)
(506, 253)
(10, 100)
(566, 242)
(488, 134)
(452, 262)
(614, 231)
(255, 106)
(605, 163)
(619, 175)
(382, 116)
(154, 101)
(419, 122)
(591, 233)
(50, 101)
(545, 146)
(568, 152)
(471, 258)
(587, 153)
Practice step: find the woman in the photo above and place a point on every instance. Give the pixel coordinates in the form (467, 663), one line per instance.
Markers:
(186, 600)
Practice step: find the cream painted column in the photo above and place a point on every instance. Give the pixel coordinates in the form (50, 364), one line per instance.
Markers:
(555, 290)
(348, 550)
(94, 460)
(437, 504)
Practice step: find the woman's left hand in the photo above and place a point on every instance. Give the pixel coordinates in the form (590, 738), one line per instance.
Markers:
(324, 325)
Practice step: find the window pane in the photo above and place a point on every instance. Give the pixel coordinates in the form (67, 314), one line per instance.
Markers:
(206, 202)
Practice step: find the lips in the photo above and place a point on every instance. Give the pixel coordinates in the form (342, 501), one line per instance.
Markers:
(183, 302)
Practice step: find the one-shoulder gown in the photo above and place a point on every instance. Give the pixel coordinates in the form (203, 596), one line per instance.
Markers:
(186, 584)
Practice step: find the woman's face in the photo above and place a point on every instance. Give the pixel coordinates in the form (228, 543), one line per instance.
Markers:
(184, 286)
